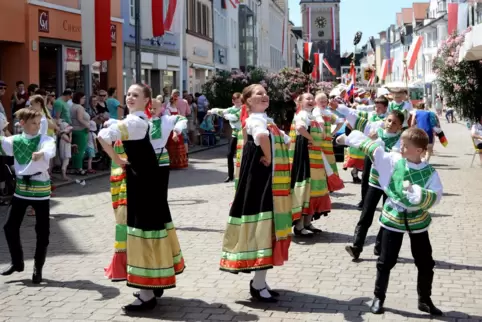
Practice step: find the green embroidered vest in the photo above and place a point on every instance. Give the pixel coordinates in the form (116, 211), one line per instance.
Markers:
(23, 148)
(156, 129)
(413, 220)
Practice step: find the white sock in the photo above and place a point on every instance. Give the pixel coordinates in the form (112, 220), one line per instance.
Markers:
(259, 279)
(299, 224)
(144, 295)
(307, 220)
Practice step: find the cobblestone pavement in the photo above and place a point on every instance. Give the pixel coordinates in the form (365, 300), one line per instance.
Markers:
(320, 282)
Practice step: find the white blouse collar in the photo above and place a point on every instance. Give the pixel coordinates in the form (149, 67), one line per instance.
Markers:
(416, 166)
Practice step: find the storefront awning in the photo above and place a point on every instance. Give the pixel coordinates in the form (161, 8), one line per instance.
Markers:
(472, 48)
(201, 66)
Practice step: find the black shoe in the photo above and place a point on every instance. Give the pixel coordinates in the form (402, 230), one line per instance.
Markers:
(158, 293)
(359, 206)
(377, 306)
(271, 292)
(37, 275)
(356, 180)
(144, 306)
(12, 269)
(313, 229)
(302, 232)
(256, 294)
(376, 251)
(427, 306)
(228, 179)
(353, 251)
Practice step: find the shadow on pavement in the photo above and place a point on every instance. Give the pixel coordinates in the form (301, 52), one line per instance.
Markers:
(107, 292)
(171, 309)
(60, 241)
(329, 238)
(448, 316)
(186, 202)
(353, 310)
(196, 229)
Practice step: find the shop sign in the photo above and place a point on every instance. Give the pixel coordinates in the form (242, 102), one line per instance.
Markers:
(43, 21)
(72, 54)
(70, 27)
(200, 52)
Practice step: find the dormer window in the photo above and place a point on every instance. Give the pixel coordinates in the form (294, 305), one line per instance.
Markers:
(442, 5)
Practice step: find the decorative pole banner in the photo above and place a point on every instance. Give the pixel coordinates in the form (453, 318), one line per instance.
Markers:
(308, 30)
(307, 50)
(333, 29)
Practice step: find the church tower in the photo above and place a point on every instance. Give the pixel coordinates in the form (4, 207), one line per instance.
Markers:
(321, 26)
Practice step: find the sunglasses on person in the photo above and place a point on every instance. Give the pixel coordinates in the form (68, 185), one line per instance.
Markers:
(2, 88)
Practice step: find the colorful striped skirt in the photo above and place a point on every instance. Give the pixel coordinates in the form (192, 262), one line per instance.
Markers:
(257, 235)
(309, 186)
(354, 158)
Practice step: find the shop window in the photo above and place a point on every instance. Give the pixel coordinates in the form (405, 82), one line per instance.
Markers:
(74, 71)
(50, 76)
(168, 80)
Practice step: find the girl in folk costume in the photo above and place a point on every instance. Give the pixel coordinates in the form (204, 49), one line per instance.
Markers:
(177, 150)
(326, 118)
(257, 236)
(310, 195)
(231, 114)
(154, 256)
(354, 159)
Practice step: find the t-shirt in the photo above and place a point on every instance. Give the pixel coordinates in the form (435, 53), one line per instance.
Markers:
(62, 108)
(202, 103)
(112, 105)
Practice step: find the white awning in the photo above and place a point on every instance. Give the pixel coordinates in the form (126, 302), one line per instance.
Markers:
(201, 66)
(472, 48)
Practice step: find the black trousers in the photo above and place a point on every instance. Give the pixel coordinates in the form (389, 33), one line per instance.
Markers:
(422, 255)
(15, 216)
(231, 154)
(366, 218)
(365, 176)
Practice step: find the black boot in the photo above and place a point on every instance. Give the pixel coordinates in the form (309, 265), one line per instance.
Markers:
(359, 205)
(228, 179)
(256, 294)
(377, 306)
(353, 251)
(37, 274)
(12, 268)
(426, 305)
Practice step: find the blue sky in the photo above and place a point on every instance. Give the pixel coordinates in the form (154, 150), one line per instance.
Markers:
(369, 17)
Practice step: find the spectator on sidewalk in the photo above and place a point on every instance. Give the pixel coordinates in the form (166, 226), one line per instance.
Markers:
(477, 136)
(202, 107)
(114, 107)
(62, 109)
(80, 133)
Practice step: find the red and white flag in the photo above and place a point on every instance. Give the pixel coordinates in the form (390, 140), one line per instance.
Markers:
(453, 17)
(385, 68)
(371, 80)
(414, 51)
(332, 71)
(152, 18)
(307, 50)
(95, 26)
(333, 29)
(316, 64)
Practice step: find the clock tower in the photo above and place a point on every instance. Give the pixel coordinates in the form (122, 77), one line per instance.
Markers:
(321, 26)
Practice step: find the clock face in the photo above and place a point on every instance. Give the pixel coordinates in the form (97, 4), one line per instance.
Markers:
(320, 22)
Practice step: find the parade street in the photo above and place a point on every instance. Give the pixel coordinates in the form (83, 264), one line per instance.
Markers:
(320, 282)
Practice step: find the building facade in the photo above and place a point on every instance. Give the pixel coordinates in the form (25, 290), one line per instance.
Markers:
(321, 20)
(248, 35)
(233, 37)
(277, 34)
(42, 45)
(160, 59)
(198, 44)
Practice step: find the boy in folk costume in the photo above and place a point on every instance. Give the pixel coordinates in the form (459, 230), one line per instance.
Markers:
(401, 104)
(387, 132)
(32, 152)
(231, 114)
(326, 118)
(257, 236)
(412, 187)
(379, 114)
(309, 188)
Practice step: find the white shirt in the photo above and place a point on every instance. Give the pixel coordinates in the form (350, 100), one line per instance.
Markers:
(477, 130)
(168, 124)
(133, 127)
(257, 124)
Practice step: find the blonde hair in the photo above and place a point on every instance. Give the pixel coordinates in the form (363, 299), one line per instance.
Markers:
(40, 100)
(160, 98)
(320, 95)
(247, 93)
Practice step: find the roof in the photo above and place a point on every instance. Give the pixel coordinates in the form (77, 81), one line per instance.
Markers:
(420, 10)
(407, 15)
(399, 19)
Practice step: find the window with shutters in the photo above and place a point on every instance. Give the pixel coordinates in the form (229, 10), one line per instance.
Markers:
(199, 18)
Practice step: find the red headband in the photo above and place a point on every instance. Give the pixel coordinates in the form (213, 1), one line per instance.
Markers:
(147, 110)
(243, 115)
